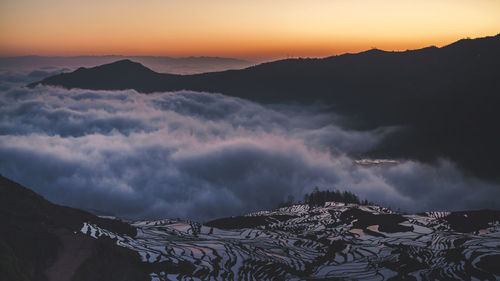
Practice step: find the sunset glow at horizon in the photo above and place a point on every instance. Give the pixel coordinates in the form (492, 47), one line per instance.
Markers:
(247, 29)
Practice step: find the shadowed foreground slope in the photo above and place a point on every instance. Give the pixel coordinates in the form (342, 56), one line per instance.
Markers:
(445, 99)
(41, 241)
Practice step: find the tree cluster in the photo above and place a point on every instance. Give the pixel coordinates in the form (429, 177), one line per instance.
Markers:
(320, 197)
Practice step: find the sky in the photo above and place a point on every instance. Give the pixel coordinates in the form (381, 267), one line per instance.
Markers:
(256, 29)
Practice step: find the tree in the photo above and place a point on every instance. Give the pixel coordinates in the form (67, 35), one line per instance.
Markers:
(319, 198)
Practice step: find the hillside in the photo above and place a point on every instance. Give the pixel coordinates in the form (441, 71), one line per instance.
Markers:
(40, 241)
(444, 99)
(43, 241)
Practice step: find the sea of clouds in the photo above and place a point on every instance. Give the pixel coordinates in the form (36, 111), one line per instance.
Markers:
(202, 155)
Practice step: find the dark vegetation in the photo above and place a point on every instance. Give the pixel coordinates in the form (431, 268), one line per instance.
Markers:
(490, 264)
(470, 221)
(445, 98)
(246, 221)
(387, 223)
(320, 197)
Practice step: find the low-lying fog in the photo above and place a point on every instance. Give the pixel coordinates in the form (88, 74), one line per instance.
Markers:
(201, 155)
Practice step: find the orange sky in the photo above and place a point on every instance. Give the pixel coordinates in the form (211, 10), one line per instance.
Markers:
(237, 28)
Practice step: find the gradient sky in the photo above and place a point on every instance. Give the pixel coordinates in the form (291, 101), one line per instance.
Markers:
(237, 28)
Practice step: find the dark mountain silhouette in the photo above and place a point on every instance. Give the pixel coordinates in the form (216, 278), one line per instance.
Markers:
(42, 241)
(445, 98)
(185, 65)
(120, 75)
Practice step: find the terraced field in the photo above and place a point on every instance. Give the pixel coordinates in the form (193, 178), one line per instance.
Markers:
(334, 242)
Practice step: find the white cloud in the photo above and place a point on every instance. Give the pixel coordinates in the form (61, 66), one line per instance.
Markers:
(201, 156)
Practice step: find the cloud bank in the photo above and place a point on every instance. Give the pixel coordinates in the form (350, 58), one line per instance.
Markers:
(202, 156)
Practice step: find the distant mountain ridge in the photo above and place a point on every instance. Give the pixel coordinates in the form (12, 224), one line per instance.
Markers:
(206, 81)
(182, 65)
(445, 98)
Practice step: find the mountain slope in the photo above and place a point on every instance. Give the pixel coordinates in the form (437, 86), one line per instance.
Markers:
(40, 241)
(444, 99)
(119, 75)
(336, 241)
(333, 242)
(295, 79)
